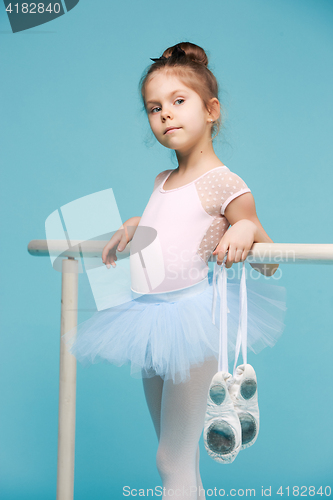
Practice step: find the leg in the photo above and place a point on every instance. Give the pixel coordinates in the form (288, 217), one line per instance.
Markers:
(153, 392)
(183, 409)
(200, 489)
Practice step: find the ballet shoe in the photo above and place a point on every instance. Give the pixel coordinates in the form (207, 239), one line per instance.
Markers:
(222, 429)
(243, 391)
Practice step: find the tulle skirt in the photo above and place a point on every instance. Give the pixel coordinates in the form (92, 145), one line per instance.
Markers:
(167, 333)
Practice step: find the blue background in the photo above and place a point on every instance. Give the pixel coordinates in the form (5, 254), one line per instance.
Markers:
(72, 124)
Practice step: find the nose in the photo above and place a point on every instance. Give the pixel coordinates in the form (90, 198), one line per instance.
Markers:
(166, 113)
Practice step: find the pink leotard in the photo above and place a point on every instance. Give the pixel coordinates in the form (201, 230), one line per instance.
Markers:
(179, 230)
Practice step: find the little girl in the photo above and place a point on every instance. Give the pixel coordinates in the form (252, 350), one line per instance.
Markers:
(166, 330)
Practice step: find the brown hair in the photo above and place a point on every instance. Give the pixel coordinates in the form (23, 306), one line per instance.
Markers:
(192, 70)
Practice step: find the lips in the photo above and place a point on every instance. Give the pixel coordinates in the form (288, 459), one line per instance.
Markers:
(171, 128)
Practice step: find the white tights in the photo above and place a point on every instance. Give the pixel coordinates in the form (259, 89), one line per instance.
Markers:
(178, 413)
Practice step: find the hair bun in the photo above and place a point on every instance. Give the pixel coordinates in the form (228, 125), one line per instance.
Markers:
(192, 51)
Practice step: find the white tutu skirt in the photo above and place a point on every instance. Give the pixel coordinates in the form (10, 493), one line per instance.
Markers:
(167, 333)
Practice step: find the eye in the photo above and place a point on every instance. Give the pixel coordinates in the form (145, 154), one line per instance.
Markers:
(154, 109)
(182, 100)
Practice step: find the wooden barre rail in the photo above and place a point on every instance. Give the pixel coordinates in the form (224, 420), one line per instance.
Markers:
(265, 253)
(261, 252)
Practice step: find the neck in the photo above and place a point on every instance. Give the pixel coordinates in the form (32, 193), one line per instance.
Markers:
(200, 158)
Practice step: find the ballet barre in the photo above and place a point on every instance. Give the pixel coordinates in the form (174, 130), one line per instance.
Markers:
(265, 253)
(261, 253)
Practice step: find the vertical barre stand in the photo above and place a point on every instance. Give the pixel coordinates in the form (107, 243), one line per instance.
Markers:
(67, 382)
(261, 253)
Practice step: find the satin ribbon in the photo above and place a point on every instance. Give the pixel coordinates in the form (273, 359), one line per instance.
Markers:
(220, 283)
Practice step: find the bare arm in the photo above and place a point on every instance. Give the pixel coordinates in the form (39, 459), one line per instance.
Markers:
(119, 241)
(243, 207)
(130, 226)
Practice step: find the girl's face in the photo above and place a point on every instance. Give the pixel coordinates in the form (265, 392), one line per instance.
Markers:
(172, 105)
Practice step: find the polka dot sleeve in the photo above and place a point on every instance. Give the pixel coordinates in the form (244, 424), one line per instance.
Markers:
(231, 186)
(218, 188)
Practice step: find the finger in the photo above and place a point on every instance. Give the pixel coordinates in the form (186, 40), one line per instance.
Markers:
(244, 254)
(221, 256)
(103, 256)
(221, 247)
(124, 233)
(231, 256)
(112, 262)
(238, 254)
(124, 238)
(220, 251)
(110, 258)
(106, 250)
(122, 244)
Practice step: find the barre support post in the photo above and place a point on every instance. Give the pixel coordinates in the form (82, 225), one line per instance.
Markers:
(67, 383)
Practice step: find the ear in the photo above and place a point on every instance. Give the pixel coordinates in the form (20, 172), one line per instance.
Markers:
(214, 109)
